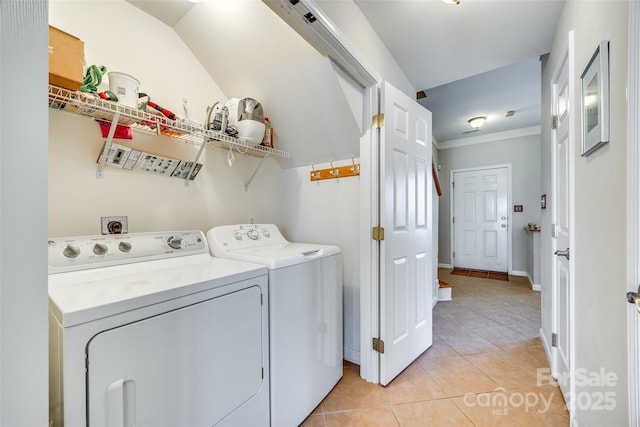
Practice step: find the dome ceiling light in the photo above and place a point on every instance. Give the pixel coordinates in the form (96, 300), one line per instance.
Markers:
(477, 122)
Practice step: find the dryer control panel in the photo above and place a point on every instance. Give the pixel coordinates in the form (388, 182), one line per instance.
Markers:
(80, 253)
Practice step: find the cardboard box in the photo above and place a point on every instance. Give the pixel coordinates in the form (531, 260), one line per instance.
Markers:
(66, 59)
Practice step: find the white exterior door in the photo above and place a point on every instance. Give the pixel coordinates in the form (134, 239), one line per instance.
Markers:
(405, 214)
(481, 219)
(561, 138)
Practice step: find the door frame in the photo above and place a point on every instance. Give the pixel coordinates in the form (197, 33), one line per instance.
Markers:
(568, 57)
(369, 248)
(633, 209)
(509, 213)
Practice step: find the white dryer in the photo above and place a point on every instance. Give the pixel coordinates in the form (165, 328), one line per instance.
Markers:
(150, 329)
(305, 314)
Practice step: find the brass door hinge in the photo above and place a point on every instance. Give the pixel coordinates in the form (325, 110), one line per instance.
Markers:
(377, 121)
(554, 122)
(377, 233)
(378, 345)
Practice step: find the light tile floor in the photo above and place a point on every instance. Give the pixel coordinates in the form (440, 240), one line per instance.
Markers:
(487, 367)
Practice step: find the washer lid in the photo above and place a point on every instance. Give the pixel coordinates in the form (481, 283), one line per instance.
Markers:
(280, 256)
(83, 296)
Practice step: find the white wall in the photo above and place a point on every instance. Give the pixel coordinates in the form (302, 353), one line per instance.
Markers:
(169, 72)
(523, 154)
(327, 212)
(600, 209)
(23, 201)
(350, 20)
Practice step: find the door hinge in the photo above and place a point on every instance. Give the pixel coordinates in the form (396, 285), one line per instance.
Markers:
(554, 230)
(554, 340)
(453, 219)
(453, 184)
(454, 254)
(262, 373)
(377, 233)
(554, 122)
(377, 121)
(378, 345)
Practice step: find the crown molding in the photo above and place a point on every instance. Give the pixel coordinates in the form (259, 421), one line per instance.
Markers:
(491, 137)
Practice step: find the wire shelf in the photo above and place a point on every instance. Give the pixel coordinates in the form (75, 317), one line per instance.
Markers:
(87, 104)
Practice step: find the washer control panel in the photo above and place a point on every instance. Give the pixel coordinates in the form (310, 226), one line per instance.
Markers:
(232, 237)
(79, 253)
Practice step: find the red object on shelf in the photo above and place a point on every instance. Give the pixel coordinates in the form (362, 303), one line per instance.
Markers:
(163, 110)
(122, 132)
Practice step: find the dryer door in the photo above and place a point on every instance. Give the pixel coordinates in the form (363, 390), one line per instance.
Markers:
(188, 367)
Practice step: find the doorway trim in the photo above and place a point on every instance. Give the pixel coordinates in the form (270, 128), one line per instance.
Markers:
(633, 209)
(509, 217)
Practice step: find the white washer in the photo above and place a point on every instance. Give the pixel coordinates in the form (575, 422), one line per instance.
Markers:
(150, 329)
(305, 314)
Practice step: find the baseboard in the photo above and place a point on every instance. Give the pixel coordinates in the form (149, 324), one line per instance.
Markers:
(519, 273)
(351, 355)
(546, 346)
(444, 294)
(434, 302)
(445, 266)
(534, 287)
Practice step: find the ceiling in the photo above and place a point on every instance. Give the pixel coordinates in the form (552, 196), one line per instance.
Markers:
(481, 57)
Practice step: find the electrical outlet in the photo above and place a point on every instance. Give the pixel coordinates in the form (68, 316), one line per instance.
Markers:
(114, 225)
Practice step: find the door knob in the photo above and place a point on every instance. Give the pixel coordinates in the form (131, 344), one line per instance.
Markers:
(634, 298)
(564, 253)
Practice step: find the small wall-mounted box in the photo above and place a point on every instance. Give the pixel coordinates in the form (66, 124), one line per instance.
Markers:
(66, 59)
(517, 208)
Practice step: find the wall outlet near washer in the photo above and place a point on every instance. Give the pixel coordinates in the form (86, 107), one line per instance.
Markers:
(114, 225)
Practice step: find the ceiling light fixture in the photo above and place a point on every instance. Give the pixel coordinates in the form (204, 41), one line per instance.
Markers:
(451, 1)
(477, 122)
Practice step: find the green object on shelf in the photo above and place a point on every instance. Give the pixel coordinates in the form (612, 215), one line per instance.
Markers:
(93, 78)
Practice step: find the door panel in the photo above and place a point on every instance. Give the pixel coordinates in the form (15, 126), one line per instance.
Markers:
(480, 228)
(405, 202)
(561, 292)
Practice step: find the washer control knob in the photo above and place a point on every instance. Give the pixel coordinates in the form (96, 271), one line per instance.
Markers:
(253, 234)
(266, 233)
(124, 246)
(100, 249)
(71, 251)
(175, 242)
(237, 235)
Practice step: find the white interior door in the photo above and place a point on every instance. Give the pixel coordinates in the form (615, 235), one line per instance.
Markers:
(481, 219)
(561, 138)
(405, 214)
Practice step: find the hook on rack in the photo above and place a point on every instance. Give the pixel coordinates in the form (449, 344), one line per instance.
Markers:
(355, 168)
(334, 170)
(314, 173)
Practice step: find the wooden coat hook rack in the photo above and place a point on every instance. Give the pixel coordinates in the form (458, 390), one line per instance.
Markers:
(335, 171)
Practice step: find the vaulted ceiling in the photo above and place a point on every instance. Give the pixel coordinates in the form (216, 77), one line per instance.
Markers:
(480, 57)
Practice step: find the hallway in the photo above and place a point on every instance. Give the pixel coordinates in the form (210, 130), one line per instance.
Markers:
(487, 367)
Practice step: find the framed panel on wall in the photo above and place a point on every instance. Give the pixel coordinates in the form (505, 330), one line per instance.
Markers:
(595, 100)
